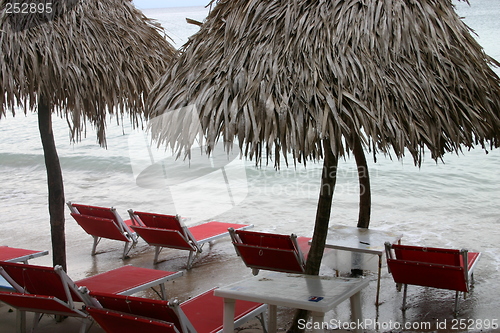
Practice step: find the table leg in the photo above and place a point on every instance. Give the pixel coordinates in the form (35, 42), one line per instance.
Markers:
(318, 319)
(228, 317)
(378, 280)
(356, 312)
(272, 321)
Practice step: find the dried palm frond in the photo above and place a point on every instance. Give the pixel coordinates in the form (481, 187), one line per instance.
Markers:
(88, 58)
(281, 75)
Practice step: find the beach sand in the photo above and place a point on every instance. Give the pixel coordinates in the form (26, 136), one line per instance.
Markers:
(428, 309)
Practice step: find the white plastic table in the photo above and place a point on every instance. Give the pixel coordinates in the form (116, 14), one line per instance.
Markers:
(318, 294)
(362, 240)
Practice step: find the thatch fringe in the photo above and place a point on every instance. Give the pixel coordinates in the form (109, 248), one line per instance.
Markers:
(88, 58)
(281, 75)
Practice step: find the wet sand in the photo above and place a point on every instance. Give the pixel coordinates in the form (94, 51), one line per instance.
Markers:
(428, 310)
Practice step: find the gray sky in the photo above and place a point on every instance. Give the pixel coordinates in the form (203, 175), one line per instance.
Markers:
(142, 4)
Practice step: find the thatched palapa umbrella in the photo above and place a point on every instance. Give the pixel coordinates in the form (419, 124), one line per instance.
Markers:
(82, 60)
(306, 79)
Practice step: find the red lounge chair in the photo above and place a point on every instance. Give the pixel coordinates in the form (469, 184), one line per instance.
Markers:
(431, 267)
(42, 289)
(167, 231)
(12, 254)
(200, 314)
(274, 252)
(101, 222)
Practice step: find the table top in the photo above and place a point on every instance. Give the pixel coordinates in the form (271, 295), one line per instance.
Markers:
(313, 293)
(360, 239)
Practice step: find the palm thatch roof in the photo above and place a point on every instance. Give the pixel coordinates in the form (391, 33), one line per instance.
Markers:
(87, 58)
(282, 75)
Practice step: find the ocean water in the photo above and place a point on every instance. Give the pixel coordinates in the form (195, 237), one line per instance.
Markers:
(453, 203)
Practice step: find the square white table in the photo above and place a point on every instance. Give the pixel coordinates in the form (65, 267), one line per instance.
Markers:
(318, 294)
(362, 240)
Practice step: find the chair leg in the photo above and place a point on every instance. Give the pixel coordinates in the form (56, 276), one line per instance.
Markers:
(163, 292)
(21, 321)
(190, 260)
(83, 328)
(86, 325)
(96, 241)
(126, 250)
(405, 289)
(455, 312)
(157, 253)
(36, 319)
(263, 321)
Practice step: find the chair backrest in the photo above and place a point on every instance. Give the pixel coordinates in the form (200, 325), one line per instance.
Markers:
(153, 220)
(200, 314)
(137, 306)
(39, 303)
(428, 267)
(268, 251)
(102, 212)
(163, 230)
(100, 227)
(428, 254)
(40, 280)
(275, 241)
(100, 221)
(115, 321)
